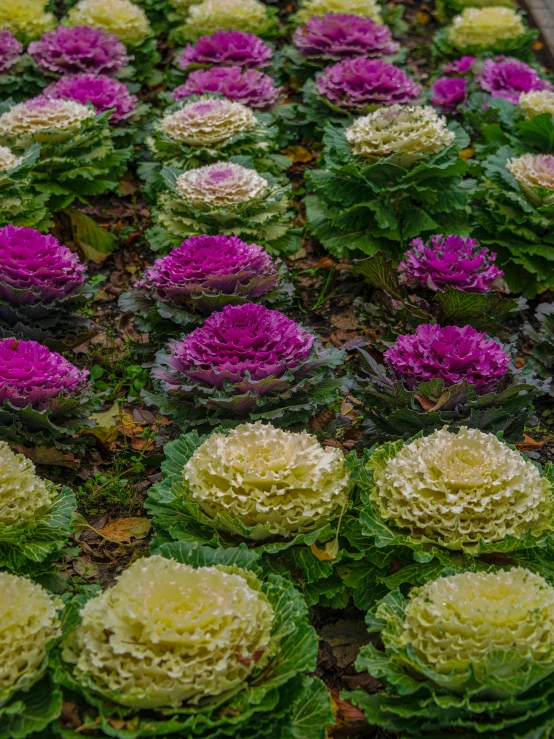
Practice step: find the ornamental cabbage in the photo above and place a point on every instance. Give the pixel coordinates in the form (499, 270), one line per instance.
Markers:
(359, 83)
(365, 8)
(26, 19)
(245, 360)
(449, 261)
(534, 173)
(29, 624)
(77, 154)
(399, 129)
(226, 49)
(31, 374)
(10, 50)
(444, 376)
(204, 274)
(78, 50)
(450, 354)
(221, 185)
(537, 102)
(458, 490)
(43, 114)
(509, 78)
(8, 160)
(273, 481)
(224, 198)
(334, 37)
(101, 91)
(448, 94)
(122, 18)
(209, 16)
(249, 87)
(485, 29)
(35, 517)
(41, 283)
(203, 641)
(399, 160)
(474, 650)
(515, 211)
(206, 122)
(167, 633)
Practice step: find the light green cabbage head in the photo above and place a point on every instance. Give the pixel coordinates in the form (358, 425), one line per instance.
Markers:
(496, 625)
(28, 624)
(459, 489)
(278, 481)
(23, 494)
(209, 16)
(485, 27)
(26, 19)
(168, 633)
(123, 18)
(366, 8)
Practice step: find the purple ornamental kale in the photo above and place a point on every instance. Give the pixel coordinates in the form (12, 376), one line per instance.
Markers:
(449, 93)
(100, 90)
(449, 261)
(251, 87)
(227, 48)
(358, 83)
(241, 344)
(334, 36)
(211, 264)
(451, 354)
(79, 49)
(10, 50)
(31, 374)
(459, 66)
(508, 78)
(36, 268)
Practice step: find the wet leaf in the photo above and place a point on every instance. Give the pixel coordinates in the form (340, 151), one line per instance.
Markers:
(125, 529)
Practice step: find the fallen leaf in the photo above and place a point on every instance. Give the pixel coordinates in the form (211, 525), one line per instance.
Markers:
(538, 46)
(347, 715)
(49, 455)
(520, 362)
(125, 529)
(423, 18)
(328, 553)
(466, 154)
(107, 419)
(298, 154)
(529, 444)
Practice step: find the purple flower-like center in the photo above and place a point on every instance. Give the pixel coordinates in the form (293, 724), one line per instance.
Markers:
(244, 341)
(31, 374)
(250, 87)
(211, 264)
(227, 48)
(449, 261)
(334, 36)
(508, 78)
(10, 50)
(38, 265)
(450, 354)
(358, 83)
(79, 49)
(103, 92)
(449, 93)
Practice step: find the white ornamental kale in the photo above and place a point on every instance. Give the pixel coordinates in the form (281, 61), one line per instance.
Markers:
(460, 489)
(534, 173)
(23, 494)
(167, 634)
(399, 129)
(123, 18)
(537, 102)
(8, 160)
(207, 121)
(278, 482)
(220, 185)
(28, 624)
(43, 114)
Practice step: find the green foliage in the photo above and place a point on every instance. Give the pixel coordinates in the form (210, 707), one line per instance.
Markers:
(20, 204)
(360, 207)
(32, 545)
(31, 712)
(520, 232)
(22, 81)
(542, 358)
(265, 220)
(74, 165)
(277, 698)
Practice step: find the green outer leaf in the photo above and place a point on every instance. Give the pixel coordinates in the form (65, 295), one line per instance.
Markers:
(31, 712)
